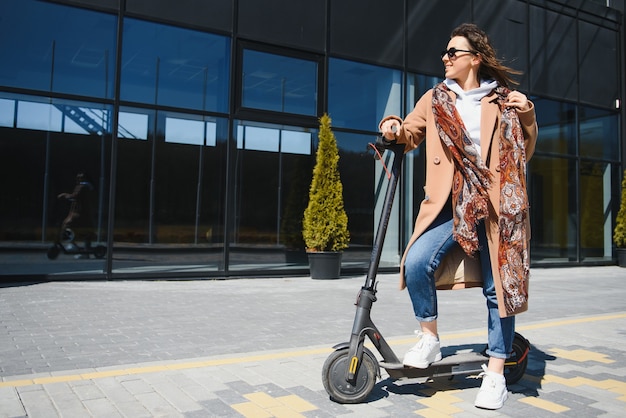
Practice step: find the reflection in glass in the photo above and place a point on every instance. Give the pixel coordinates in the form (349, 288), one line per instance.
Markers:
(170, 195)
(273, 172)
(40, 116)
(553, 217)
(184, 131)
(599, 133)
(596, 232)
(173, 212)
(294, 142)
(7, 112)
(55, 116)
(210, 134)
(364, 186)
(279, 83)
(45, 145)
(85, 120)
(264, 137)
(39, 53)
(132, 125)
(557, 126)
(359, 95)
(173, 66)
(417, 85)
(256, 138)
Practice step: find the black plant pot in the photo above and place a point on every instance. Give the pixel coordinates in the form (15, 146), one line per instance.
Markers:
(325, 264)
(621, 257)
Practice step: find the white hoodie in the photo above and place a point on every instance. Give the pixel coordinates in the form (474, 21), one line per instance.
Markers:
(468, 106)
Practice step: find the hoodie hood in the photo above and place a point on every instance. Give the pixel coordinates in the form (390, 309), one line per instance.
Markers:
(468, 105)
(475, 94)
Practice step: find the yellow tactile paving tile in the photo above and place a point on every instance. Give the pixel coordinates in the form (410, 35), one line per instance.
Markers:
(432, 413)
(441, 402)
(262, 405)
(53, 379)
(611, 385)
(284, 412)
(251, 410)
(581, 355)
(262, 399)
(545, 405)
(296, 403)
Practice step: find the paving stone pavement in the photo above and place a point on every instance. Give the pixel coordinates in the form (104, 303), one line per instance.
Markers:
(255, 348)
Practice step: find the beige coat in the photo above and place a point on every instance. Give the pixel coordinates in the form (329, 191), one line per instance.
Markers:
(420, 125)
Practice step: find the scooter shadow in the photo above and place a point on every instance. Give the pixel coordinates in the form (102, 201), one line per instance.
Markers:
(428, 386)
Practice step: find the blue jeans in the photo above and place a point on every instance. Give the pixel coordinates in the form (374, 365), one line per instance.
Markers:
(424, 258)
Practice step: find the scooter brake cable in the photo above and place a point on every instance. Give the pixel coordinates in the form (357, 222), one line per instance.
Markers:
(379, 157)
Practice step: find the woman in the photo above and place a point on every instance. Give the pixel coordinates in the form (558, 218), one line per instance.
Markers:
(479, 136)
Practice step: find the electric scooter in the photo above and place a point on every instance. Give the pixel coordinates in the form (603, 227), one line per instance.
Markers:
(350, 372)
(67, 244)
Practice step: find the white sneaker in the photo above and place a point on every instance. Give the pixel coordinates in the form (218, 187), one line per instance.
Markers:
(424, 353)
(492, 392)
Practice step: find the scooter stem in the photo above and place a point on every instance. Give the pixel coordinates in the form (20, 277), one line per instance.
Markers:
(363, 324)
(398, 150)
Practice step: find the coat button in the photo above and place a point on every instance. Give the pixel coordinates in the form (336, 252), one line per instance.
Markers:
(436, 160)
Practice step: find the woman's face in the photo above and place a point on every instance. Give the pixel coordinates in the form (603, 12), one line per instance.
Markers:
(459, 66)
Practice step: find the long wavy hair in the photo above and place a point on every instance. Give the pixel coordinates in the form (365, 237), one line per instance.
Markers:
(490, 67)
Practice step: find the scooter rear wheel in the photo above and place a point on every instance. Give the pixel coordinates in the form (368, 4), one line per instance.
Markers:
(515, 365)
(100, 251)
(334, 377)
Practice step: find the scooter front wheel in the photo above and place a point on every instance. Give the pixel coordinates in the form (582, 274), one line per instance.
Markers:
(334, 377)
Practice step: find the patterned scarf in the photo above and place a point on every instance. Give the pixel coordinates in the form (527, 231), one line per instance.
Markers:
(471, 182)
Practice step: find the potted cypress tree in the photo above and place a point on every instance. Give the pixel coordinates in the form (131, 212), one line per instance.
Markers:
(619, 234)
(325, 223)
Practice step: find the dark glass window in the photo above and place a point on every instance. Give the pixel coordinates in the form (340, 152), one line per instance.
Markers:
(357, 169)
(557, 126)
(553, 212)
(43, 114)
(359, 95)
(57, 48)
(46, 142)
(598, 64)
(599, 136)
(596, 231)
(417, 85)
(553, 52)
(171, 66)
(279, 83)
(273, 167)
(170, 189)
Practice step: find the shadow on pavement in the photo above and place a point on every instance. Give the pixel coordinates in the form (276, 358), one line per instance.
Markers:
(528, 385)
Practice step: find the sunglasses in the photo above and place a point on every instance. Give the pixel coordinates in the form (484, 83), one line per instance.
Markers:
(452, 52)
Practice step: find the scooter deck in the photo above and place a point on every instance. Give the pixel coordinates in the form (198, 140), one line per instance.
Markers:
(454, 364)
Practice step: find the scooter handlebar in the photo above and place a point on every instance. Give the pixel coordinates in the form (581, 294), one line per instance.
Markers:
(381, 145)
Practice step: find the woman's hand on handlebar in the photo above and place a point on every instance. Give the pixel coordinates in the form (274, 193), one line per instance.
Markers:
(389, 128)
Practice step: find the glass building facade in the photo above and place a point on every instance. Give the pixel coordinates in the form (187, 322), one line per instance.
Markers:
(191, 127)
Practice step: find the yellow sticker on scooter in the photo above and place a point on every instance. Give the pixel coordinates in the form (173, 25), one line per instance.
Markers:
(353, 364)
